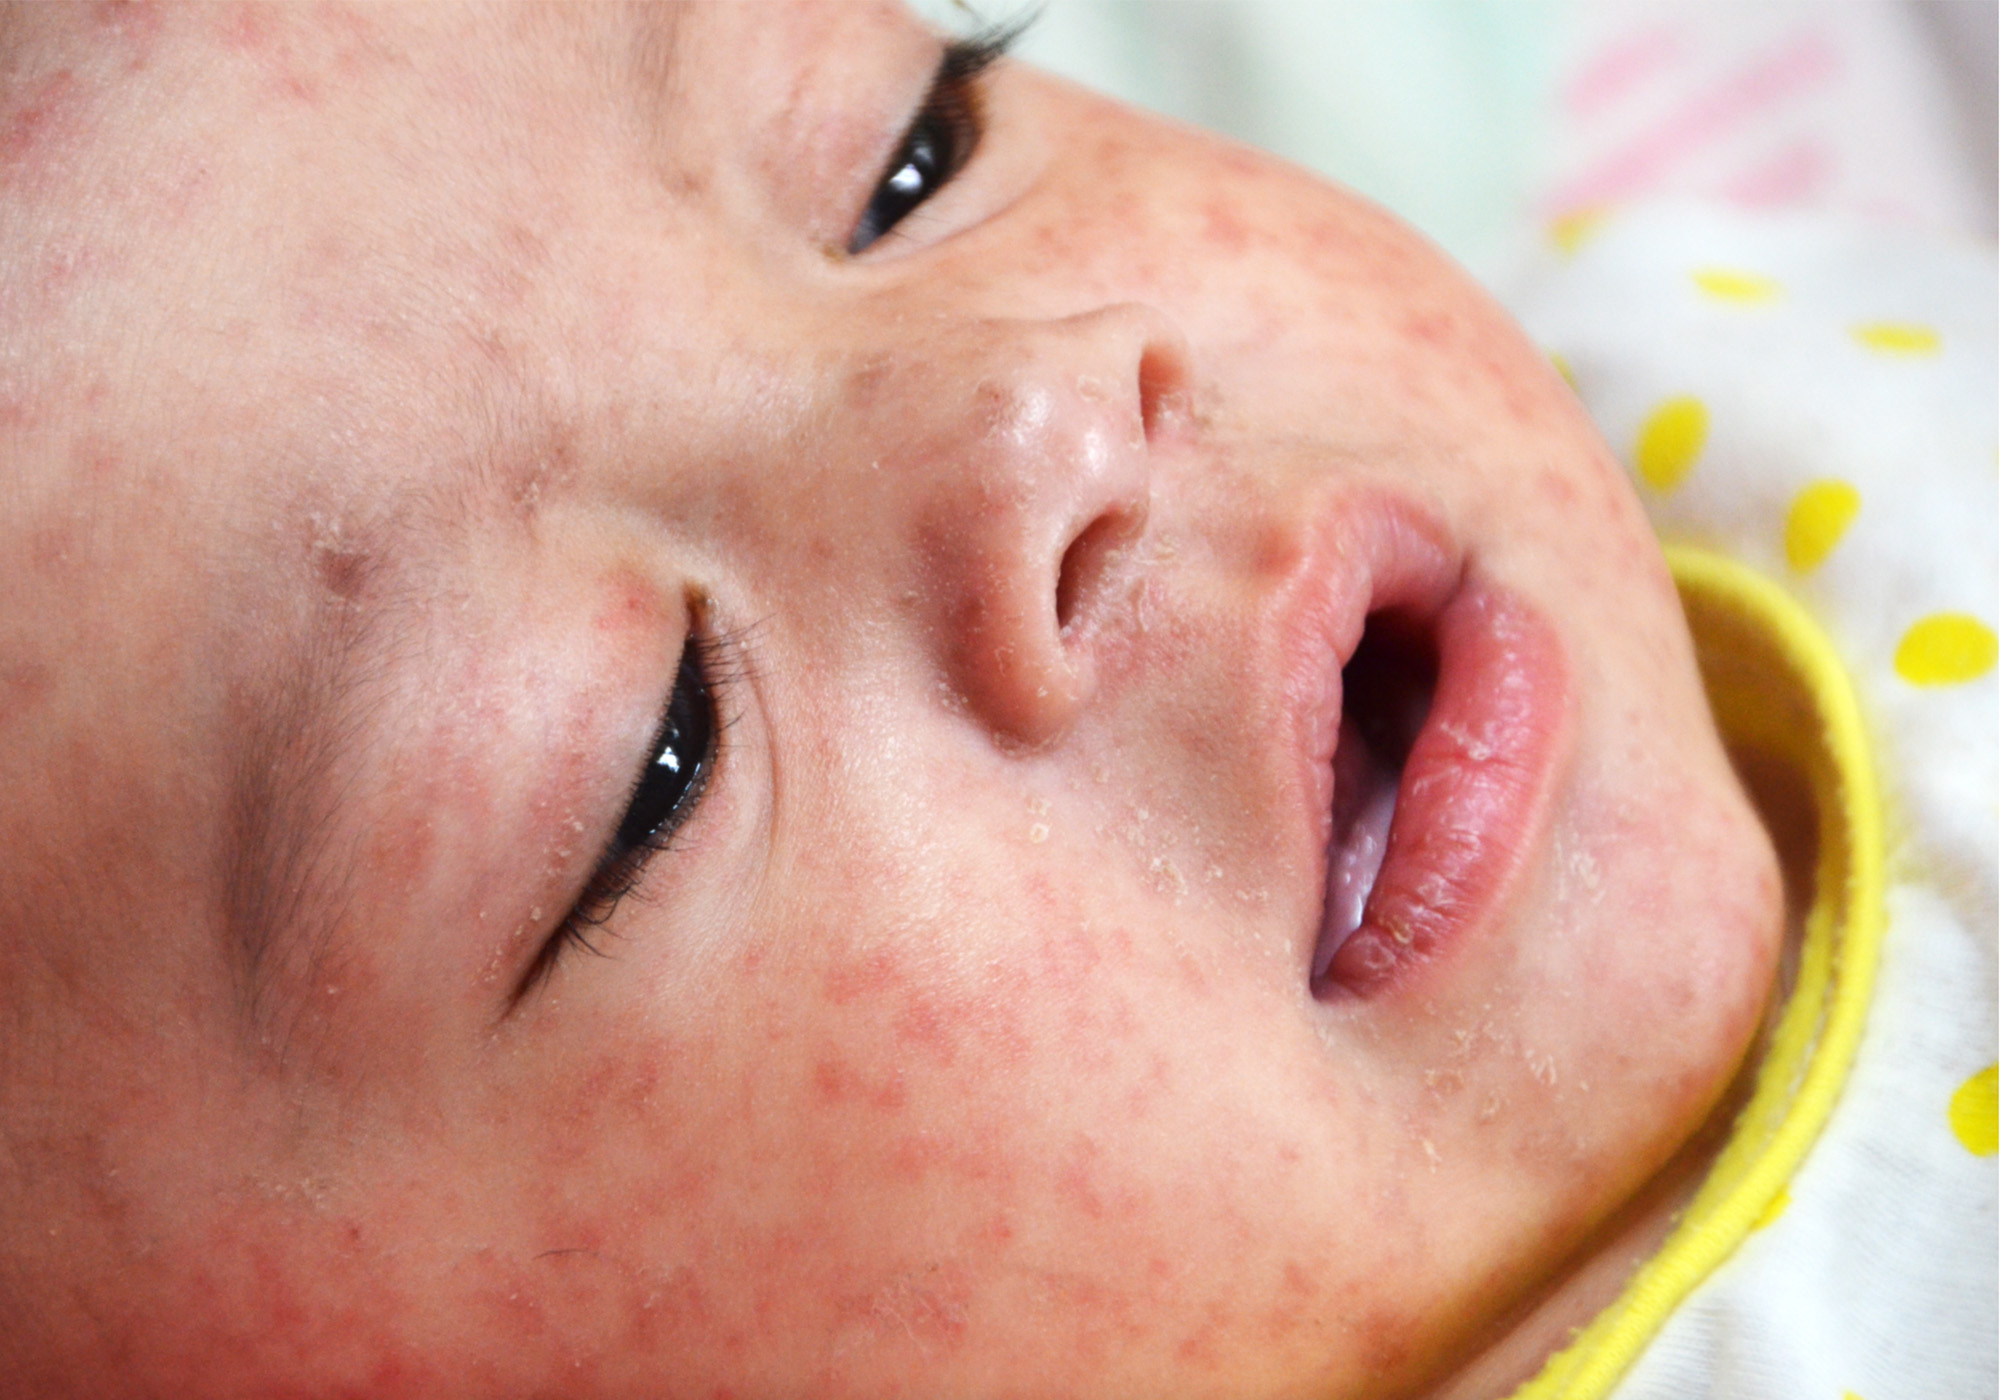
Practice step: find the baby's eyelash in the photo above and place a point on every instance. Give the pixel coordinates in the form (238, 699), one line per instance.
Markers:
(718, 662)
(967, 58)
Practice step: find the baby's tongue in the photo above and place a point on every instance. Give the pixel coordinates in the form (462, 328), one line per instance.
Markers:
(1364, 803)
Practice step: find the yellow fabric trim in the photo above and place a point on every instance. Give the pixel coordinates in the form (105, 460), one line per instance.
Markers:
(1774, 682)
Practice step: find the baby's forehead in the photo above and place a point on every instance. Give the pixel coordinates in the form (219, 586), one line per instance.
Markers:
(320, 144)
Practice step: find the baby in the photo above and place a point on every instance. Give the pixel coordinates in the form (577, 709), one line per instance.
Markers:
(732, 702)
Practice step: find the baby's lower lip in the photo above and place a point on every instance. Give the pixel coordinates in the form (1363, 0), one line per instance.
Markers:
(1472, 797)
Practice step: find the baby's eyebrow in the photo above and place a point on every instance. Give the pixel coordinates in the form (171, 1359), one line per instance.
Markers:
(650, 57)
(655, 31)
(306, 718)
(366, 565)
(289, 861)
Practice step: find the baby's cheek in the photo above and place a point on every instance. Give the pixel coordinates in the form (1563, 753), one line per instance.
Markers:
(1676, 990)
(898, 1149)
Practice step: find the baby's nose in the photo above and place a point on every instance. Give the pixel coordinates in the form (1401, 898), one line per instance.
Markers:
(1039, 473)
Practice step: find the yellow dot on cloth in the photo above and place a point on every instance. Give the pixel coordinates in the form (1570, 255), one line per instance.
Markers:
(1669, 441)
(1561, 362)
(1975, 1112)
(1571, 231)
(1819, 516)
(1744, 288)
(1897, 338)
(1946, 649)
(1773, 1210)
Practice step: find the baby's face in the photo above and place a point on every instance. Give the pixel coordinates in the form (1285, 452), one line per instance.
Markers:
(404, 413)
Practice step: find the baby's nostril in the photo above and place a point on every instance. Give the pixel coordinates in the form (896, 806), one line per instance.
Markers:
(1163, 385)
(1080, 577)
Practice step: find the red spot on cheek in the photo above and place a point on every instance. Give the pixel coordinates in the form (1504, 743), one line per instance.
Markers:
(515, 1309)
(1560, 491)
(849, 981)
(29, 130)
(997, 1231)
(1076, 1184)
(614, 1086)
(248, 1317)
(1386, 1337)
(1298, 1282)
(925, 1027)
(1433, 329)
(1202, 1347)
(252, 30)
(1300, 1292)
(136, 23)
(249, 28)
(968, 1158)
(837, 1083)
(24, 687)
(661, 1311)
(1221, 227)
(1068, 962)
(915, 1156)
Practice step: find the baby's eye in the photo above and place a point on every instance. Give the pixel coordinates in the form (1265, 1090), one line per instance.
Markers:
(940, 140)
(672, 780)
(932, 152)
(668, 789)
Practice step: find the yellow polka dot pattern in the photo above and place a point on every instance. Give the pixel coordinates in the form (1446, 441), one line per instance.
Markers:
(1898, 338)
(1728, 316)
(1744, 288)
(1819, 516)
(1946, 648)
(1571, 231)
(1975, 1112)
(1670, 440)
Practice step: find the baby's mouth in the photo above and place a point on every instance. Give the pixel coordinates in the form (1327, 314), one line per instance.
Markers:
(1386, 694)
(1451, 742)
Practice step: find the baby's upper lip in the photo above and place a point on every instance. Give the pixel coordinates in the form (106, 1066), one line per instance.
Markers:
(1474, 794)
(1370, 552)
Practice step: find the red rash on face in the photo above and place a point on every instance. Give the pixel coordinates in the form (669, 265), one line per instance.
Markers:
(34, 129)
(23, 688)
(961, 1037)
